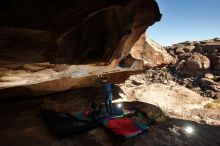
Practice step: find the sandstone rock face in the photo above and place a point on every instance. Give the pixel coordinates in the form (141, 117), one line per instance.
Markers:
(83, 31)
(45, 78)
(197, 61)
(36, 36)
(193, 64)
(174, 99)
(150, 52)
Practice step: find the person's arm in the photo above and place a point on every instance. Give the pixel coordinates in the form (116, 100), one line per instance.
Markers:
(99, 80)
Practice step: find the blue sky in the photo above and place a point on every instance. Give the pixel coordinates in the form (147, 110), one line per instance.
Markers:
(186, 20)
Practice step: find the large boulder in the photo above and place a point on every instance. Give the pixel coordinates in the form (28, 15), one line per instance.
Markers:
(197, 61)
(212, 49)
(215, 61)
(151, 53)
(193, 64)
(174, 99)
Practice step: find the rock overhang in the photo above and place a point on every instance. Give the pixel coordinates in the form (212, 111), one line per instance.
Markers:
(87, 31)
(90, 34)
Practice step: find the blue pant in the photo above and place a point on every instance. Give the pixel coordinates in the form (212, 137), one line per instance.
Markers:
(108, 97)
(108, 104)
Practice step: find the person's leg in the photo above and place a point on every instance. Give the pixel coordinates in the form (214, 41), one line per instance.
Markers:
(110, 104)
(106, 105)
(110, 107)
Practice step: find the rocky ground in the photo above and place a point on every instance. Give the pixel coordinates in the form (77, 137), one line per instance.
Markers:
(177, 100)
(190, 89)
(21, 124)
(198, 66)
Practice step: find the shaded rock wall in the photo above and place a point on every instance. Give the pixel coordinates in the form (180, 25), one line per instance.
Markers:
(91, 31)
(45, 33)
(24, 45)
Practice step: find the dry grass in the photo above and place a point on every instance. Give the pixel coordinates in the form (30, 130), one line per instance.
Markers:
(213, 105)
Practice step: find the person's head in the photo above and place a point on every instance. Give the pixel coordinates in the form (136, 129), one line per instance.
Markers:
(104, 79)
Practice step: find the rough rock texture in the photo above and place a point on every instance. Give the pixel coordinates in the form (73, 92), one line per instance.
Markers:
(36, 36)
(208, 48)
(210, 84)
(44, 78)
(192, 64)
(197, 64)
(100, 34)
(174, 99)
(151, 53)
(77, 31)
